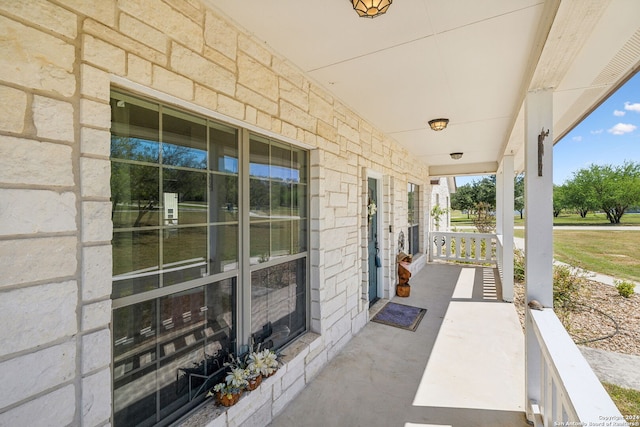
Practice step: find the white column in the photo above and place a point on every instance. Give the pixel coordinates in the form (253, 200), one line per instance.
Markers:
(507, 227)
(538, 226)
(499, 200)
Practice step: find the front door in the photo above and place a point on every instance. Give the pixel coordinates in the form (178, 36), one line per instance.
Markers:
(374, 256)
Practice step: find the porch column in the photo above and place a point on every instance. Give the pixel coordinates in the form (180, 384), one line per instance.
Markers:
(507, 227)
(499, 200)
(538, 226)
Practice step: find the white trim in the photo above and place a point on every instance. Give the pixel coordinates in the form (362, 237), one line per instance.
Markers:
(127, 84)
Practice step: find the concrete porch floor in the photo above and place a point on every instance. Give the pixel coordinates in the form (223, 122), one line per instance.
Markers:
(463, 366)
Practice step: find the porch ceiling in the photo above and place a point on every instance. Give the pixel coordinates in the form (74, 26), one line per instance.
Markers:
(472, 62)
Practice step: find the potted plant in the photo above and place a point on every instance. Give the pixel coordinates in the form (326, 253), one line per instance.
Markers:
(226, 393)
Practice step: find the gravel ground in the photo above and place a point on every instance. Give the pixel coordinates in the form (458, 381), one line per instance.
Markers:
(585, 323)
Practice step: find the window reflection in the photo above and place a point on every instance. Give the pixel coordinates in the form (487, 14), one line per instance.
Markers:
(160, 344)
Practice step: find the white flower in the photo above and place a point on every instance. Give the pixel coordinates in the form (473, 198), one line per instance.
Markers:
(237, 377)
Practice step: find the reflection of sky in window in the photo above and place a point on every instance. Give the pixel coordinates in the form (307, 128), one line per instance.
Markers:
(228, 164)
(134, 148)
(278, 172)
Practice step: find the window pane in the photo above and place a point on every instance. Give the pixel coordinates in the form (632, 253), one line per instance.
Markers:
(185, 254)
(259, 199)
(185, 197)
(259, 242)
(259, 158)
(136, 256)
(280, 238)
(278, 303)
(224, 248)
(134, 129)
(280, 199)
(299, 166)
(160, 345)
(134, 351)
(223, 196)
(223, 151)
(280, 163)
(299, 201)
(299, 236)
(184, 140)
(134, 195)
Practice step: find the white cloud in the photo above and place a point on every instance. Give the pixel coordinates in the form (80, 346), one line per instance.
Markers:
(622, 128)
(576, 138)
(618, 113)
(597, 132)
(632, 107)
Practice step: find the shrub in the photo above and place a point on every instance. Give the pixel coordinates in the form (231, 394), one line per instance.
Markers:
(567, 285)
(518, 265)
(626, 289)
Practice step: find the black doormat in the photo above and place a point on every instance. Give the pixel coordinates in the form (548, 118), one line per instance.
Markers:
(400, 315)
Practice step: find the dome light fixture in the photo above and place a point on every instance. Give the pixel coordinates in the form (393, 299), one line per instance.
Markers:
(370, 8)
(438, 124)
(456, 156)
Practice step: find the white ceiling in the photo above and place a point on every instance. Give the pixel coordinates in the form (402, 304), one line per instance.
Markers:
(471, 61)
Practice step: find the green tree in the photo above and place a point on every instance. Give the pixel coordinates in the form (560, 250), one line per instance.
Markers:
(559, 201)
(462, 199)
(518, 194)
(614, 189)
(577, 195)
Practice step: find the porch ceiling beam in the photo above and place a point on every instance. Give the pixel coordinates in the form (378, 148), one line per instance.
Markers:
(464, 169)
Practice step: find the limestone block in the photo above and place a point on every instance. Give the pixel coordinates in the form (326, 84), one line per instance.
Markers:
(250, 114)
(201, 70)
(257, 77)
(245, 409)
(95, 177)
(191, 8)
(103, 55)
(288, 71)
(95, 141)
(139, 70)
(96, 222)
(254, 49)
(37, 315)
(36, 372)
(288, 395)
(36, 211)
(59, 407)
(264, 120)
(96, 315)
(35, 59)
(12, 109)
(166, 20)
(53, 118)
(314, 364)
(220, 35)
(337, 199)
(218, 58)
(172, 83)
(292, 114)
(101, 10)
(293, 94)
(44, 14)
(96, 114)
(320, 108)
(230, 107)
(95, 83)
(143, 33)
(96, 272)
(29, 260)
(206, 97)
(96, 398)
(114, 38)
(255, 99)
(24, 161)
(295, 370)
(96, 350)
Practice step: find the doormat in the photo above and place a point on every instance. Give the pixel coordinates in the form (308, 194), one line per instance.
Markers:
(400, 315)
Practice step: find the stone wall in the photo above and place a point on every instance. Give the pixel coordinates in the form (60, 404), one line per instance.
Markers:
(58, 63)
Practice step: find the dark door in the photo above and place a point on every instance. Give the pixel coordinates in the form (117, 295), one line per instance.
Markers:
(372, 218)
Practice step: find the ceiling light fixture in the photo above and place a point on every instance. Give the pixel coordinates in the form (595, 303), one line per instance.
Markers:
(456, 156)
(438, 124)
(371, 8)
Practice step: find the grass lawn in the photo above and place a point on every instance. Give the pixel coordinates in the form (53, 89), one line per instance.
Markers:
(627, 400)
(614, 252)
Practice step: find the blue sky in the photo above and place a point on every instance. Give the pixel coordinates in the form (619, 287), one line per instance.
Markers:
(609, 135)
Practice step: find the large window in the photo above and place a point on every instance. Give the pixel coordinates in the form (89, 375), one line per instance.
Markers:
(179, 271)
(413, 218)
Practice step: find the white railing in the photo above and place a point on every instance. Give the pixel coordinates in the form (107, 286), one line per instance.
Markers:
(499, 256)
(479, 248)
(569, 393)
